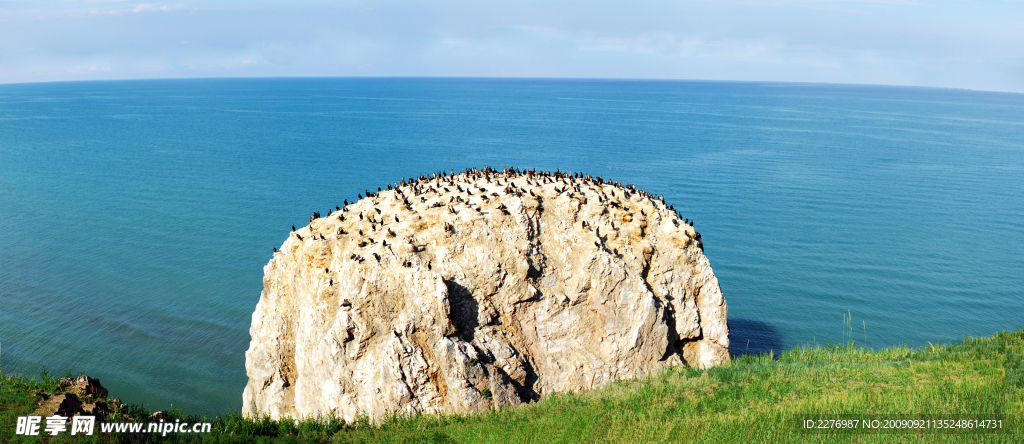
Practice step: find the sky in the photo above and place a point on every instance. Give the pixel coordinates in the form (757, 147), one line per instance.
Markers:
(953, 44)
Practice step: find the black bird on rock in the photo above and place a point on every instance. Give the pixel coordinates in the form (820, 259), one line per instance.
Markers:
(293, 228)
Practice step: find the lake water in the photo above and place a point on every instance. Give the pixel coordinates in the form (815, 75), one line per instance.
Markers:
(136, 216)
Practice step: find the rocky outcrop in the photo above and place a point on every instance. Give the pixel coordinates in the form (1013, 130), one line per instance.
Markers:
(467, 292)
(83, 395)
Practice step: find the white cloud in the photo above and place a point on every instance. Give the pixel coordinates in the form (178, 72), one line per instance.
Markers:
(925, 42)
(151, 7)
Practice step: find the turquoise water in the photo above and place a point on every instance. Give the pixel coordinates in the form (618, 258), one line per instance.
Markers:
(136, 216)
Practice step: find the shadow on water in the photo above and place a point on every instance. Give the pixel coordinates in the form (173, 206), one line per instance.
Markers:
(752, 337)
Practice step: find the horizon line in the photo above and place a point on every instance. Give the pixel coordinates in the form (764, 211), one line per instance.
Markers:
(621, 79)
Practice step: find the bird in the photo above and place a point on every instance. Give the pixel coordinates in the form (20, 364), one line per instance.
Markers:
(275, 249)
(298, 236)
(293, 228)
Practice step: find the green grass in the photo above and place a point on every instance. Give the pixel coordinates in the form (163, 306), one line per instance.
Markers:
(753, 399)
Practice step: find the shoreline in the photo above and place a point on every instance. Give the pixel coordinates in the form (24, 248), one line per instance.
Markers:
(753, 397)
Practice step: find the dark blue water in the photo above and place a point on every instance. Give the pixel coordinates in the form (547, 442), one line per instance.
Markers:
(136, 216)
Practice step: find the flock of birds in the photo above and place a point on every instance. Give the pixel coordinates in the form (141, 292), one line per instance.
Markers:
(473, 190)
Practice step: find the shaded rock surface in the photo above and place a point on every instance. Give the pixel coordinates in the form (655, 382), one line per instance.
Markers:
(83, 395)
(472, 291)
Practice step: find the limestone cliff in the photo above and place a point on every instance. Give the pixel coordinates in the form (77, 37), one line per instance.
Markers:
(484, 289)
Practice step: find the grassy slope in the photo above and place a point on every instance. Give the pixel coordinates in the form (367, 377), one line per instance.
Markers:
(754, 399)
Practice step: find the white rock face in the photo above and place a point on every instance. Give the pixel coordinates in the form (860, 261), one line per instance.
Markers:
(477, 291)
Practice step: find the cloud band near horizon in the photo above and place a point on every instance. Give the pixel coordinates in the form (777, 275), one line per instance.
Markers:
(975, 45)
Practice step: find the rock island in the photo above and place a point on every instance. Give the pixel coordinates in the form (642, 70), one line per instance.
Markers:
(458, 293)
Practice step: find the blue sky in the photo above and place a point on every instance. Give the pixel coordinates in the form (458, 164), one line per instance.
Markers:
(957, 44)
